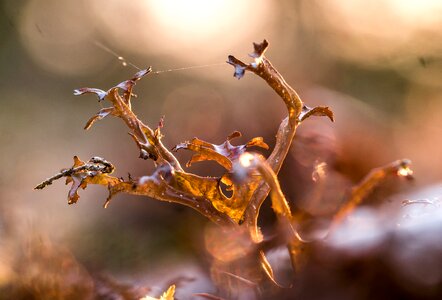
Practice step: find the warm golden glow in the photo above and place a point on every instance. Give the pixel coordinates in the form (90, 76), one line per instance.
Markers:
(373, 31)
(199, 17)
(63, 37)
(246, 159)
(419, 11)
(405, 172)
(60, 37)
(183, 28)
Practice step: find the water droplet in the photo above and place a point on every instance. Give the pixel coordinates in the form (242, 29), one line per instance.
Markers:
(124, 64)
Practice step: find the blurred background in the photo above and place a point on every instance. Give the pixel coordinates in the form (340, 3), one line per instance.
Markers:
(377, 64)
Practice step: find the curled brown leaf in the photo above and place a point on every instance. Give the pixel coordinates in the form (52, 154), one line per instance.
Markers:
(224, 154)
(316, 111)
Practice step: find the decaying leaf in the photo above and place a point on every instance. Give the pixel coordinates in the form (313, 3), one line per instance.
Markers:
(209, 189)
(99, 115)
(126, 86)
(316, 111)
(81, 174)
(205, 194)
(232, 201)
(224, 154)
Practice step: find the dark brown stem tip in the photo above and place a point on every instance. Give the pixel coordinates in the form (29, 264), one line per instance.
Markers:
(240, 67)
(41, 186)
(260, 49)
(142, 73)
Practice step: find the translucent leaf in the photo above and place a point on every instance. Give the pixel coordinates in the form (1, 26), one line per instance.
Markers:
(100, 115)
(224, 154)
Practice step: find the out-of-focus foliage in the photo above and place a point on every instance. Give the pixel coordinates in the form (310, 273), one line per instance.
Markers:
(167, 295)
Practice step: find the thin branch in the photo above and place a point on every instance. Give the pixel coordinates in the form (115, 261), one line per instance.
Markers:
(297, 112)
(256, 163)
(373, 179)
(264, 69)
(95, 164)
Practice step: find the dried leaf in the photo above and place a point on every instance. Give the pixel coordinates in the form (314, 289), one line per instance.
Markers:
(316, 111)
(157, 131)
(100, 93)
(208, 189)
(233, 200)
(146, 149)
(141, 73)
(260, 49)
(147, 139)
(100, 115)
(128, 85)
(224, 154)
(264, 69)
(265, 265)
(240, 67)
(81, 174)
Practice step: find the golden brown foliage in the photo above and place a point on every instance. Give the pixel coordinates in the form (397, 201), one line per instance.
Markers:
(249, 177)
